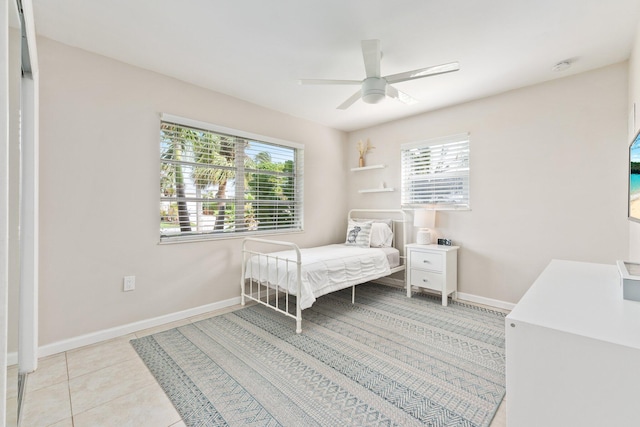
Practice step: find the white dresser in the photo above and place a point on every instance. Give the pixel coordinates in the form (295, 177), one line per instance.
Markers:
(573, 350)
(432, 267)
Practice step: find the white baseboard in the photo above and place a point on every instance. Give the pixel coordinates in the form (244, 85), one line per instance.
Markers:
(107, 334)
(486, 301)
(12, 358)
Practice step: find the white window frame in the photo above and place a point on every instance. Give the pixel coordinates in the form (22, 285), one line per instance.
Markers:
(298, 224)
(428, 183)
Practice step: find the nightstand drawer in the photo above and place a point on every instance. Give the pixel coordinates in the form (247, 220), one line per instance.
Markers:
(427, 279)
(426, 260)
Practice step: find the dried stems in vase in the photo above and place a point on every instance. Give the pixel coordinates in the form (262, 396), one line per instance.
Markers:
(362, 150)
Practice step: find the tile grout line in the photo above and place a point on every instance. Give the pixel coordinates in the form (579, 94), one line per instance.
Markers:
(66, 362)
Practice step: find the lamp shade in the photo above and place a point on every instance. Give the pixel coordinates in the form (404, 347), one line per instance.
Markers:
(423, 218)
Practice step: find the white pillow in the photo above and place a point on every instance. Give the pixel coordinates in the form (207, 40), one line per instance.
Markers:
(359, 233)
(381, 235)
(387, 221)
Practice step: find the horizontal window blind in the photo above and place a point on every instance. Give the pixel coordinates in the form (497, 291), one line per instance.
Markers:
(435, 173)
(219, 184)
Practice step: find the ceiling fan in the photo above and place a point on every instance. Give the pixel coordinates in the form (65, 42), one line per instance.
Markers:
(375, 88)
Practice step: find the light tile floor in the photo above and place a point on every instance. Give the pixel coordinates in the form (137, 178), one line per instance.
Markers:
(102, 385)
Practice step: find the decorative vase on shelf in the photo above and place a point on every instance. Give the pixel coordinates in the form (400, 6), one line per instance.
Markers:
(361, 162)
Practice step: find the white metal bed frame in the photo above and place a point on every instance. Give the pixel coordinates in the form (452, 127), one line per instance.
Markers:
(269, 295)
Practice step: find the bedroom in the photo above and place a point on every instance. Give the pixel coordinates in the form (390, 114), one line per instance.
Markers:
(537, 190)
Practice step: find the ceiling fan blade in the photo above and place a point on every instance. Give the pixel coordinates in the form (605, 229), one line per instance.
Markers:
(400, 96)
(328, 82)
(349, 102)
(423, 72)
(372, 56)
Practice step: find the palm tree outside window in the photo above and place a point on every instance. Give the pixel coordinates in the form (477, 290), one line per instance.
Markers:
(217, 182)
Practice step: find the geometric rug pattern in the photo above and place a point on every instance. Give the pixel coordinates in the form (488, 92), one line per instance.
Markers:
(386, 360)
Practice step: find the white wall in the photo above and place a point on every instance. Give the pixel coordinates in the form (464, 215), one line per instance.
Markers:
(4, 198)
(548, 178)
(14, 179)
(99, 182)
(634, 98)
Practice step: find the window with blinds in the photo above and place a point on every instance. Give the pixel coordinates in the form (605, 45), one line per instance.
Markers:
(217, 182)
(435, 173)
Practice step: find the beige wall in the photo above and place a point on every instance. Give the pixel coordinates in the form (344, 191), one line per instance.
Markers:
(634, 98)
(548, 178)
(99, 177)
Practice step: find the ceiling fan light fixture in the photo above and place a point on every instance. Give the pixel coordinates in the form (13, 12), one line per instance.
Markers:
(374, 90)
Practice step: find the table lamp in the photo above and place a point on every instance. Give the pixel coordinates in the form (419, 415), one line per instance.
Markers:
(424, 220)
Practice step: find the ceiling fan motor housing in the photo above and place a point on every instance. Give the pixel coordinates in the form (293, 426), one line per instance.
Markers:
(374, 90)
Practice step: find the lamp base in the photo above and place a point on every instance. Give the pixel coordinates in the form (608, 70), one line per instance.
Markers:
(423, 237)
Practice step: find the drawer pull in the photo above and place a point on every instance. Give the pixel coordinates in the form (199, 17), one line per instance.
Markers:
(425, 280)
(426, 261)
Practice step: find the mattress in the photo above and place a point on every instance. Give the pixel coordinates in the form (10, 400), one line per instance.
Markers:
(393, 256)
(325, 269)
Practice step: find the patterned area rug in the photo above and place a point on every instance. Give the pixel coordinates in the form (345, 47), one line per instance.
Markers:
(386, 361)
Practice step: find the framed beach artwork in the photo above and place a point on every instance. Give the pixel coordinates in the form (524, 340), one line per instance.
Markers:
(634, 179)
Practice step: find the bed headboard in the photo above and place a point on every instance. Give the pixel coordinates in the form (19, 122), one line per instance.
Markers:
(398, 223)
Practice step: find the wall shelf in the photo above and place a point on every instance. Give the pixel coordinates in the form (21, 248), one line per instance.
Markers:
(364, 168)
(377, 190)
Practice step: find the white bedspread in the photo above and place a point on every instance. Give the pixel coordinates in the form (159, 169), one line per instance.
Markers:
(325, 269)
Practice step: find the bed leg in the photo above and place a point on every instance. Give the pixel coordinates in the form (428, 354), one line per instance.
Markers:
(353, 294)
(298, 318)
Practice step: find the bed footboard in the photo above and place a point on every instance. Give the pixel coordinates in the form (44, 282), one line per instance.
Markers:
(257, 286)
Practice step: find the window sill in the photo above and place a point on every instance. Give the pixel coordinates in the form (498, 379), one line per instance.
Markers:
(226, 236)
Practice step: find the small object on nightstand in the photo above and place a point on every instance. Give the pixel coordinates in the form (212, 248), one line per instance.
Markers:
(444, 242)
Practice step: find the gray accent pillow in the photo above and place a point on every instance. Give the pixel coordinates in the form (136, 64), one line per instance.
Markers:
(359, 233)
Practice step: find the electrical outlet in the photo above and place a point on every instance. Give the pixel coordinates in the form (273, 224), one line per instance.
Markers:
(129, 283)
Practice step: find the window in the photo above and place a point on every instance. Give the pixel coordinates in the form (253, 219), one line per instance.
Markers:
(217, 182)
(436, 173)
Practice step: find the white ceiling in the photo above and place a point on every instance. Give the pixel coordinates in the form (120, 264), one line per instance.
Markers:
(256, 50)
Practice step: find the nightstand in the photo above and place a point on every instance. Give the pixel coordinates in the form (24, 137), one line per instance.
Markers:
(432, 267)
